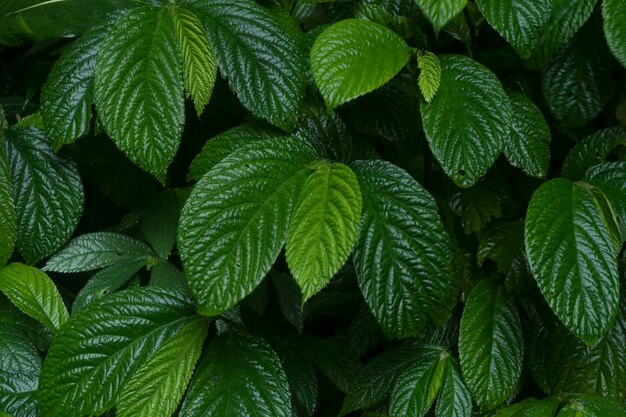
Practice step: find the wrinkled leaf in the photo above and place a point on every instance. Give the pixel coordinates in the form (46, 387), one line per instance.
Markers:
(593, 150)
(8, 220)
(614, 13)
(430, 75)
(440, 12)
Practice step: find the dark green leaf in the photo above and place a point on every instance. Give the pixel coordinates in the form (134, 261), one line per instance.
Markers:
(164, 274)
(302, 378)
(531, 407)
(8, 220)
(440, 12)
(454, 399)
(592, 407)
(464, 133)
(614, 13)
(593, 150)
(139, 89)
(159, 222)
(289, 299)
(401, 248)
(477, 206)
(611, 179)
(326, 132)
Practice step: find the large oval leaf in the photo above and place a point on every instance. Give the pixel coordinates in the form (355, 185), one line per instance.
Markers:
(402, 254)
(48, 194)
(464, 133)
(8, 220)
(614, 14)
(234, 223)
(106, 345)
(264, 65)
(354, 57)
(240, 376)
(440, 12)
(139, 88)
(491, 344)
(324, 225)
(572, 255)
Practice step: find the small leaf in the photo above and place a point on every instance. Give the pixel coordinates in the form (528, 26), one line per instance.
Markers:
(323, 227)
(98, 250)
(199, 63)
(118, 335)
(34, 293)
(520, 22)
(531, 407)
(48, 194)
(401, 248)
(593, 150)
(477, 205)
(159, 222)
(614, 14)
(469, 145)
(528, 147)
(139, 89)
(572, 255)
(430, 75)
(440, 12)
(234, 224)
(8, 220)
(238, 376)
(611, 179)
(354, 57)
(454, 399)
(490, 344)
(165, 274)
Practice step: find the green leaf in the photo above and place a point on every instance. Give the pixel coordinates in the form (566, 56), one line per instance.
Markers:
(158, 386)
(528, 147)
(238, 376)
(614, 14)
(165, 274)
(36, 332)
(531, 407)
(430, 75)
(593, 150)
(264, 65)
(417, 387)
(464, 133)
(354, 57)
(580, 406)
(8, 220)
(139, 89)
(610, 178)
(578, 82)
(34, 293)
(572, 256)
(402, 255)
(234, 224)
(199, 63)
(68, 95)
(520, 22)
(48, 194)
(119, 335)
(491, 344)
(301, 376)
(454, 399)
(477, 206)
(440, 12)
(159, 222)
(289, 299)
(98, 250)
(323, 227)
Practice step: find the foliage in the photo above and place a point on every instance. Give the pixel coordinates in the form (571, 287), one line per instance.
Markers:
(299, 208)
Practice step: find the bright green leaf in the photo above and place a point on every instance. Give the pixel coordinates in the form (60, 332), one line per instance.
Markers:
(234, 224)
(199, 63)
(98, 250)
(491, 344)
(610, 177)
(402, 255)
(323, 227)
(139, 88)
(34, 293)
(614, 14)
(101, 348)
(572, 255)
(440, 12)
(593, 150)
(464, 133)
(520, 22)
(528, 147)
(48, 194)
(238, 376)
(454, 399)
(8, 220)
(531, 407)
(354, 57)
(430, 75)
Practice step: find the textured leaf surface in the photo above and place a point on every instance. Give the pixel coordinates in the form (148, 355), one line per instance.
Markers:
(139, 88)
(68, 95)
(251, 45)
(440, 12)
(528, 147)
(520, 22)
(302, 378)
(593, 150)
(99, 350)
(464, 133)
(610, 177)
(490, 344)
(430, 75)
(477, 205)
(454, 399)
(324, 225)
(234, 224)
(531, 407)
(158, 386)
(34, 293)
(401, 256)
(159, 222)
(48, 194)
(573, 256)
(354, 57)
(614, 14)
(8, 220)
(239, 376)
(199, 62)
(97, 250)
(592, 407)
(165, 274)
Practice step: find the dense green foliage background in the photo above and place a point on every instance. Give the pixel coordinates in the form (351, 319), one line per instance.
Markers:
(306, 208)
